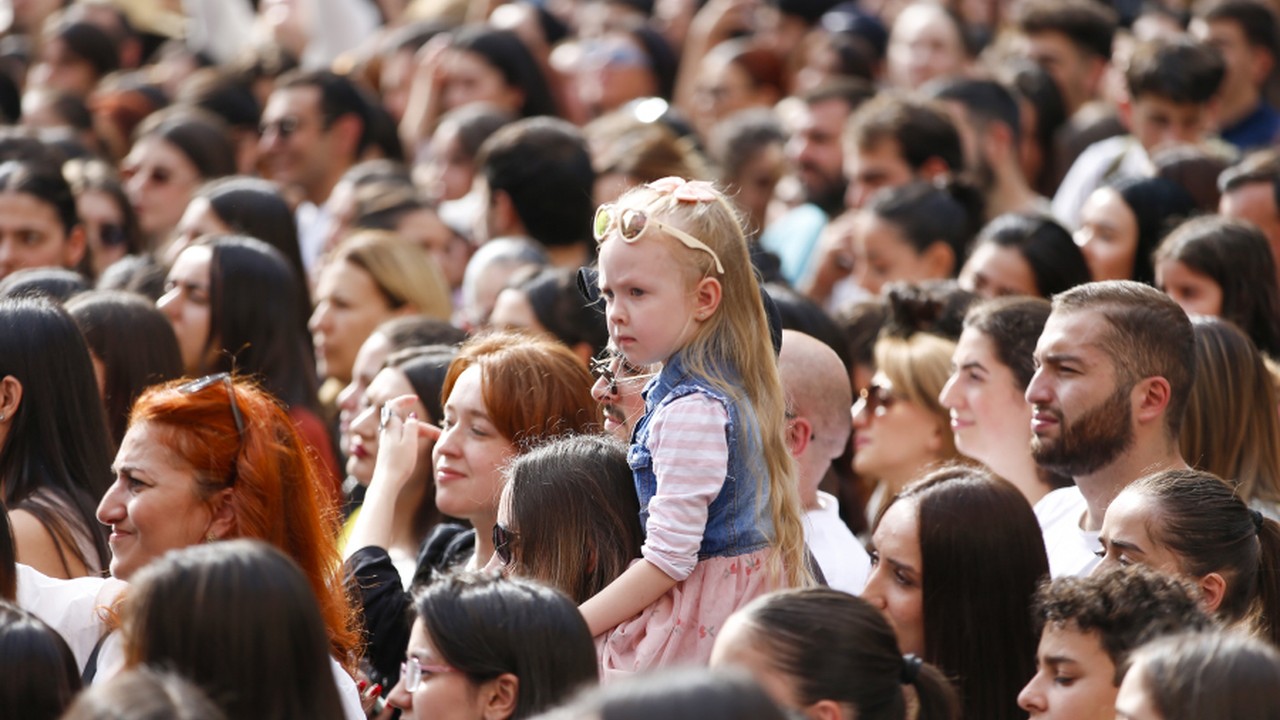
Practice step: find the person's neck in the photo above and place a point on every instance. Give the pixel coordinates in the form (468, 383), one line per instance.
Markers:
(1010, 193)
(1021, 470)
(1232, 110)
(573, 255)
(317, 191)
(484, 539)
(1101, 487)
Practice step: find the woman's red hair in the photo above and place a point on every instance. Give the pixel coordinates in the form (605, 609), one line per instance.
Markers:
(279, 495)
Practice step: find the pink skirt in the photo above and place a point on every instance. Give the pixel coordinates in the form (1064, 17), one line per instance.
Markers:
(681, 626)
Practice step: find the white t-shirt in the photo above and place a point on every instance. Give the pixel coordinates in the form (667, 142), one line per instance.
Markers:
(1072, 550)
(843, 560)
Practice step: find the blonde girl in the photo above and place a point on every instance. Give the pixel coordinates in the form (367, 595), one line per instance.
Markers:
(714, 478)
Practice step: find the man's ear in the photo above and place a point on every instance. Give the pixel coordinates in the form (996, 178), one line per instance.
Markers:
(347, 129)
(503, 218)
(74, 247)
(935, 169)
(1152, 399)
(707, 296)
(799, 433)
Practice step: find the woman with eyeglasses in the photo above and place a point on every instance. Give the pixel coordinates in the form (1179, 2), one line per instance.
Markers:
(174, 151)
(899, 428)
(484, 647)
(110, 225)
(216, 297)
(219, 458)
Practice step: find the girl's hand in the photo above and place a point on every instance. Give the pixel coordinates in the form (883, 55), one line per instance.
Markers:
(398, 439)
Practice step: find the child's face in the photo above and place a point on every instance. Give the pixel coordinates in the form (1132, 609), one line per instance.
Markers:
(1075, 678)
(1158, 123)
(649, 305)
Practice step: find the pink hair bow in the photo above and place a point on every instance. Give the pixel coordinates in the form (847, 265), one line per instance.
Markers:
(685, 190)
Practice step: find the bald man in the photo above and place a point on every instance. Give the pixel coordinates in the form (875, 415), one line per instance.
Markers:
(818, 400)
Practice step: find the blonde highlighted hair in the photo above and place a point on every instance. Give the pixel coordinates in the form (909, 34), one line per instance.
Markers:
(404, 273)
(919, 365)
(732, 351)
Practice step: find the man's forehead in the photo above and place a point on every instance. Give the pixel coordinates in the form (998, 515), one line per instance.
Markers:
(298, 99)
(1074, 331)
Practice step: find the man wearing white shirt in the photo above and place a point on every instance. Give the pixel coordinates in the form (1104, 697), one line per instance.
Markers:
(1114, 369)
(819, 396)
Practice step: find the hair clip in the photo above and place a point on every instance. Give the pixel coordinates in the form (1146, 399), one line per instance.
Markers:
(693, 191)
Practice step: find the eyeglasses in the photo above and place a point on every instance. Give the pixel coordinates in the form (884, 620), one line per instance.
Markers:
(412, 673)
(285, 127)
(875, 399)
(196, 386)
(602, 368)
(632, 224)
(502, 538)
(111, 235)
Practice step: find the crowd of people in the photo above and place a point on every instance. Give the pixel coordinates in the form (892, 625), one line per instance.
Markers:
(879, 359)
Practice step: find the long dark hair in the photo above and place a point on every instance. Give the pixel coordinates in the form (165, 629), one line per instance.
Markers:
(982, 557)
(135, 344)
(58, 442)
(1202, 519)
(485, 626)
(425, 368)
(504, 51)
(597, 530)
(1054, 258)
(39, 675)
(823, 639)
(229, 615)
(248, 277)
(1237, 257)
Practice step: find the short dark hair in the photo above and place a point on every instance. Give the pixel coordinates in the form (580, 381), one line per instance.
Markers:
(921, 129)
(487, 625)
(985, 101)
(543, 164)
(1261, 166)
(339, 96)
(1089, 25)
(1149, 335)
(1256, 20)
(1124, 606)
(1179, 70)
(43, 182)
(1219, 674)
(853, 91)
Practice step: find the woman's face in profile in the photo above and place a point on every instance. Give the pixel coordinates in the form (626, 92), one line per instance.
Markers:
(990, 416)
(896, 583)
(152, 506)
(1108, 235)
(186, 303)
(470, 455)
(442, 692)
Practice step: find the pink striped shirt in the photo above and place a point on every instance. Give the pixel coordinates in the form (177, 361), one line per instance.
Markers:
(690, 451)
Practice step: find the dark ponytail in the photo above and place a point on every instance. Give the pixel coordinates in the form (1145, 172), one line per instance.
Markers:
(834, 646)
(927, 213)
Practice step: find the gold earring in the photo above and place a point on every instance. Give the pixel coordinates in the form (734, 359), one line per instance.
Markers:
(211, 537)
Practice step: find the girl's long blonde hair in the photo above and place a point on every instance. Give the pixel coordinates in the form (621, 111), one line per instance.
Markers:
(732, 351)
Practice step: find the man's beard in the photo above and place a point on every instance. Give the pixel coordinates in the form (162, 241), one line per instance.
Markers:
(829, 197)
(1092, 442)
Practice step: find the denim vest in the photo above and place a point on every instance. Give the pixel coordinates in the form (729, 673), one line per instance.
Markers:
(736, 523)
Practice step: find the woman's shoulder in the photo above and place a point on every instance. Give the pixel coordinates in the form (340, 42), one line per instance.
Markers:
(449, 545)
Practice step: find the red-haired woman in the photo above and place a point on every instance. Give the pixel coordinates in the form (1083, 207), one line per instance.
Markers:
(219, 458)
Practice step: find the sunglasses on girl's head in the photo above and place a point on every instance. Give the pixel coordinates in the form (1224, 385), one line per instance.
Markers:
(632, 223)
(876, 399)
(502, 538)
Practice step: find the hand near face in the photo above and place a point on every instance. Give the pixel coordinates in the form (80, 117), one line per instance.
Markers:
(398, 442)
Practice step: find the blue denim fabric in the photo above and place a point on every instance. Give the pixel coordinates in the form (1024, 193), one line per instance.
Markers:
(736, 523)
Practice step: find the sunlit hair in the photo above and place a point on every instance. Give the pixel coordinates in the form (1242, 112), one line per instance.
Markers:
(534, 388)
(982, 556)
(1231, 428)
(240, 619)
(821, 638)
(596, 533)
(404, 273)
(280, 493)
(732, 350)
(144, 693)
(919, 365)
(1202, 520)
(1220, 675)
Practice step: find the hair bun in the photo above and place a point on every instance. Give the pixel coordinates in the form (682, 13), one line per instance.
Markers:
(932, 306)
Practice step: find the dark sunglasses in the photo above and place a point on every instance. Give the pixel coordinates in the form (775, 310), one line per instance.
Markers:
(111, 235)
(502, 538)
(875, 399)
(196, 386)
